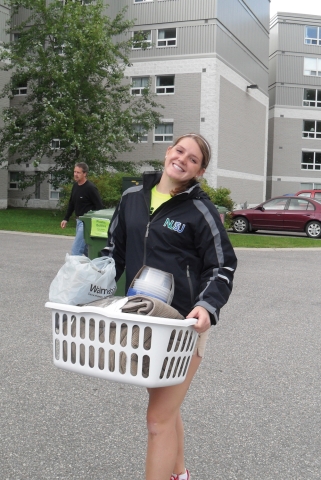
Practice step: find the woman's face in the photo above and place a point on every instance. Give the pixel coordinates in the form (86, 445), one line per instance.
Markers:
(183, 161)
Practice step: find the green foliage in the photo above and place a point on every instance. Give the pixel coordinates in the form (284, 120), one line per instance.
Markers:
(73, 58)
(219, 196)
(110, 187)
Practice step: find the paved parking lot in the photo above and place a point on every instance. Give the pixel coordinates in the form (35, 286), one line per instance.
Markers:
(252, 413)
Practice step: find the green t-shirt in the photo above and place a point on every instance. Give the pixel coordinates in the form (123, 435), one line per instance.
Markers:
(157, 199)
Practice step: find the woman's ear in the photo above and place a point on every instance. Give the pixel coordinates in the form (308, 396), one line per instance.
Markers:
(201, 172)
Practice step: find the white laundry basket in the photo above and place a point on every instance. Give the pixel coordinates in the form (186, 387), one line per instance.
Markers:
(122, 347)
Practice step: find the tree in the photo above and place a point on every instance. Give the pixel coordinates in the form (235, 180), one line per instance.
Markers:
(78, 106)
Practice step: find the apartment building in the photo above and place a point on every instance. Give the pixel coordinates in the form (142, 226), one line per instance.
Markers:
(201, 60)
(4, 102)
(208, 66)
(294, 148)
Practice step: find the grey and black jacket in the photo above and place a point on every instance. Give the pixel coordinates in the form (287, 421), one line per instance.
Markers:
(184, 236)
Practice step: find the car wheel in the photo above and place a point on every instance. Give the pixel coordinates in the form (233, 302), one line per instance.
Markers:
(240, 225)
(313, 229)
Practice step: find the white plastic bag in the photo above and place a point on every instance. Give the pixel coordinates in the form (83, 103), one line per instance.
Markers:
(81, 280)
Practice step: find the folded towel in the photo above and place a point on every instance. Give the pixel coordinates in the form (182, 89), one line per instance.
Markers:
(145, 305)
(138, 304)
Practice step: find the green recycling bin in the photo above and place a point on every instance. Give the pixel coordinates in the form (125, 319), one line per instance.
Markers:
(222, 211)
(96, 225)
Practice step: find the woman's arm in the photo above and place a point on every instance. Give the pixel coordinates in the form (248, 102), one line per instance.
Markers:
(218, 261)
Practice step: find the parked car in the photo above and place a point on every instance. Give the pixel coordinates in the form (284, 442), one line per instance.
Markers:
(316, 194)
(281, 213)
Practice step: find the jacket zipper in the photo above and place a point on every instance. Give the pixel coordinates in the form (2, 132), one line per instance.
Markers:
(190, 283)
(147, 232)
(145, 242)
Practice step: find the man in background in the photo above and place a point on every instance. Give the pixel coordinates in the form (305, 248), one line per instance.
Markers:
(84, 197)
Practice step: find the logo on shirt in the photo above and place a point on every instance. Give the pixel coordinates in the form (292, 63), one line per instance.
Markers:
(172, 225)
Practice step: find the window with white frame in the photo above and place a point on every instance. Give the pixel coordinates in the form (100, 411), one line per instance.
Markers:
(312, 35)
(312, 66)
(312, 97)
(21, 89)
(59, 49)
(16, 36)
(142, 39)
(58, 144)
(165, 84)
(311, 161)
(83, 2)
(166, 37)
(54, 193)
(141, 1)
(310, 186)
(164, 132)
(14, 180)
(311, 129)
(140, 133)
(139, 84)
(37, 187)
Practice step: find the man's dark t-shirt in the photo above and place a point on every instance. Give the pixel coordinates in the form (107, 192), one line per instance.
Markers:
(83, 198)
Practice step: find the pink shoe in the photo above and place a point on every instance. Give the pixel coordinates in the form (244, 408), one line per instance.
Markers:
(179, 477)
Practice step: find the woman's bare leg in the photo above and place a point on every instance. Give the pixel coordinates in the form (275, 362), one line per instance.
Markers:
(165, 440)
(180, 459)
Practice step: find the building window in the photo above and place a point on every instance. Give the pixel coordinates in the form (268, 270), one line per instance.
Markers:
(164, 132)
(142, 39)
(59, 50)
(21, 89)
(37, 187)
(165, 84)
(58, 144)
(54, 193)
(312, 35)
(311, 161)
(14, 180)
(312, 97)
(83, 2)
(141, 1)
(310, 186)
(139, 84)
(166, 37)
(140, 134)
(312, 66)
(311, 129)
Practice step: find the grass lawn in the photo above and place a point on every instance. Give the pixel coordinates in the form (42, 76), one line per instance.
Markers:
(35, 221)
(255, 240)
(48, 221)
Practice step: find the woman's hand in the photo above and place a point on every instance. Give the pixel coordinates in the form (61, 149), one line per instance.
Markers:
(203, 319)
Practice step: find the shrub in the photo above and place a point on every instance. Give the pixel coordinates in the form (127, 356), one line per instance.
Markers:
(109, 184)
(219, 196)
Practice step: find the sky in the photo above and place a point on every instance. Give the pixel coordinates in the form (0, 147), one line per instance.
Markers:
(312, 7)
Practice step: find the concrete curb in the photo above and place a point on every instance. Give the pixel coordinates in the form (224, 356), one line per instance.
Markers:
(235, 248)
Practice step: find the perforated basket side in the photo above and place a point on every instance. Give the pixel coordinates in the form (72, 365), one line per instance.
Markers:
(122, 350)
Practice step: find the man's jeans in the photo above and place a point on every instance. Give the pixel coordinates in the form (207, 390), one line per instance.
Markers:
(79, 246)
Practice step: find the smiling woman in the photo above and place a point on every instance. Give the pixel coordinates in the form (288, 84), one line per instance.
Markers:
(169, 223)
